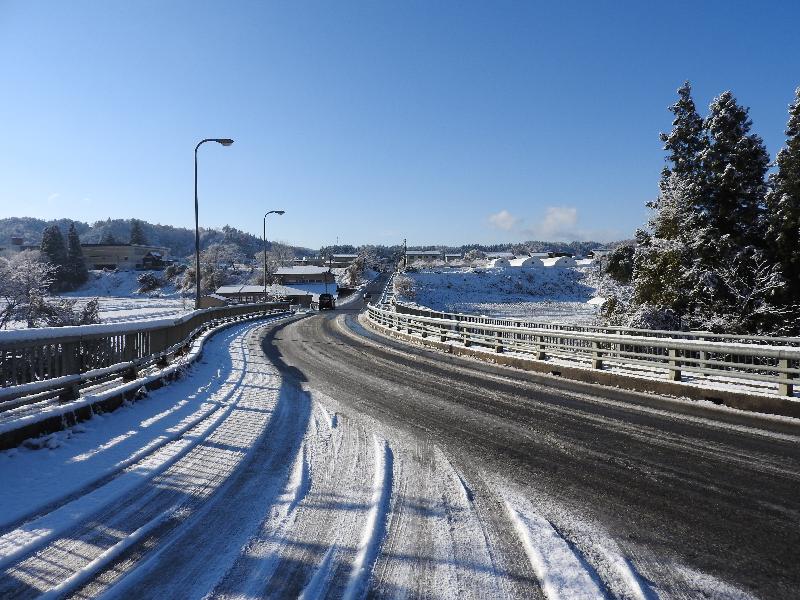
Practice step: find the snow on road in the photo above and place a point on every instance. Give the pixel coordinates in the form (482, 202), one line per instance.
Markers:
(236, 482)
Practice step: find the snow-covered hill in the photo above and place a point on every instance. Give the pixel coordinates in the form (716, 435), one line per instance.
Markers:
(549, 294)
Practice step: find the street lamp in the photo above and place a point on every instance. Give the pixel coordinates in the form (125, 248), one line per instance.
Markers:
(276, 212)
(224, 142)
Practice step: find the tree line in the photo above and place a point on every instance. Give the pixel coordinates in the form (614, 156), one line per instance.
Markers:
(721, 251)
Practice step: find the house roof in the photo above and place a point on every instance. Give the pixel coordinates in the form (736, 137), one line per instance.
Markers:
(423, 253)
(274, 290)
(304, 270)
(344, 255)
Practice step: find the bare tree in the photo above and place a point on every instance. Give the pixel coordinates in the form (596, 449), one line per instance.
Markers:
(25, 280)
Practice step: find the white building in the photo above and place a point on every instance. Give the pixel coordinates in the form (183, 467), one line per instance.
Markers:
(527, 262)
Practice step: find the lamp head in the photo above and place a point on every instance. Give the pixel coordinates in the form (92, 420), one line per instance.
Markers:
(225, 141)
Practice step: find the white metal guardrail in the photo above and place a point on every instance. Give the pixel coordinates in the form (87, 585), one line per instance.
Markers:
(57, 360)
(752, 359)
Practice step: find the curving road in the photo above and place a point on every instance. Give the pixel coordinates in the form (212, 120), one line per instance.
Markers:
(700, 502)
(311, 458)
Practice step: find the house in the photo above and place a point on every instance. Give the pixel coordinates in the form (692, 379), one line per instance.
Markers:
(452, 257)
(314, 261)
(341, 261)
(493, 255)
(308, 274)
(246, 294)
(527, 262)
(597, 253)
(124, 257)
(16, 246)
(426, 255)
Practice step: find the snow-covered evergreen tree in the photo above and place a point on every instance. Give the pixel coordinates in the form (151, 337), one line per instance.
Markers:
(54, 250)
(686, 140)
(734, 163)
(137, 233)
(108, 238)
(783, 207)
(76, 271)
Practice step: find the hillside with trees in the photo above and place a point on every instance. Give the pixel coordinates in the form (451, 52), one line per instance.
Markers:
(179, 240)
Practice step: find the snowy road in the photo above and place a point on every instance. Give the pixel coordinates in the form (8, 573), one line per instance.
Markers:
(302, 459)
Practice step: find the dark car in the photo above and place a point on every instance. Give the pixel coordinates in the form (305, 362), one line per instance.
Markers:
(367, 296)
(326, 301)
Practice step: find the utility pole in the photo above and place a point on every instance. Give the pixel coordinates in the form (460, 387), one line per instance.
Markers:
(330, 264)
(405, 254)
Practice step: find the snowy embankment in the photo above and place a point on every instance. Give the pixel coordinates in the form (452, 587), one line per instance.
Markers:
(555, 294)
(120, 299)
(235, 482)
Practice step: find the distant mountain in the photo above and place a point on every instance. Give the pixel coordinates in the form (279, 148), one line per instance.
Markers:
(179, 240)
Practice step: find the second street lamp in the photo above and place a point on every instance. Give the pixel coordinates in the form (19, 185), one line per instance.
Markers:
(224, 142)
(276, 212)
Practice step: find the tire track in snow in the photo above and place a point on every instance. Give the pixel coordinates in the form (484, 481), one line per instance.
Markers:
(561, 572)
(193, 482)
(35, 533)
(375, 526)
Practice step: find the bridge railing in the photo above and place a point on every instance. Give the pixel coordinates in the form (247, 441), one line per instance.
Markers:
(38, 360)
(754, 359)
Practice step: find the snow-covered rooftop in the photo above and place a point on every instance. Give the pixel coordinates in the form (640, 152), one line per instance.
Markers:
(304, 270)
(274, 290)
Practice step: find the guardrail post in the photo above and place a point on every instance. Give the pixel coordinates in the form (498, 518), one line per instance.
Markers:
(465, 336)
(785, 389)
(70, 364)
(674, 371)
(597, 361)
(424, 327)
(703, 357)
(499, 347)
(540, 353)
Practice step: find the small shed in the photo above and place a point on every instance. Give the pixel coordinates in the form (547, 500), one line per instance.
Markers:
(238, 294)
(527, 262)
(499, 263)
(560, 262)
(213, 300)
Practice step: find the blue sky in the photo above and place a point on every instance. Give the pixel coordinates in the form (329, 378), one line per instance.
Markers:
(442, 122)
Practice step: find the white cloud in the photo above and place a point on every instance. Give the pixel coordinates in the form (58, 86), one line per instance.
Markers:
(559, 222)
(562, 224)
(503, 220)
(53, 197)
(555, 224)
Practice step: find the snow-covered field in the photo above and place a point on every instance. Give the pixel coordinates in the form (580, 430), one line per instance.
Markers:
(550, 294)
(121, 301)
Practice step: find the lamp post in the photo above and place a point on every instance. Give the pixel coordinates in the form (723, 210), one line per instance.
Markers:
(276, 212)
(224, 142)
